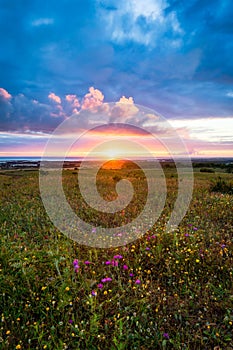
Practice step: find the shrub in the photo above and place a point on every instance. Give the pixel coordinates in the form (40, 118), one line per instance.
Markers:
(207, 170)
(222, 186)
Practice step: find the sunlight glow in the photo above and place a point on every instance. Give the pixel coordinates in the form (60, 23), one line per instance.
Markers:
(112, 153)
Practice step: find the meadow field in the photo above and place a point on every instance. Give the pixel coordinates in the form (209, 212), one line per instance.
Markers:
(163, 291)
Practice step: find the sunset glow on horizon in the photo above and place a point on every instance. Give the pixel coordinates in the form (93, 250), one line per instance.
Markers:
(159, 60)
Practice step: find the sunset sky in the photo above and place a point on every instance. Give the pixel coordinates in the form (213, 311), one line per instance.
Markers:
(58, 58)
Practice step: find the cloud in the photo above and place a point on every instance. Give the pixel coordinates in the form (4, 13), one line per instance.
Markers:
(124, 99)
(230, 94)
(22, 113)
(161, 52)
(209, 129)
(123, 110)
(73, 100)
(5, 94)
(42, 22)
(93, 99)
(31, 117)
(54, 97)
(5, 106)
(139, 22)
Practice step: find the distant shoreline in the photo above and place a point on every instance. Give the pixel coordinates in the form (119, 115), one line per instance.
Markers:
(11, 163)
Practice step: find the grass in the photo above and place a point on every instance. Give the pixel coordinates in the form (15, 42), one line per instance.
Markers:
(167, 291)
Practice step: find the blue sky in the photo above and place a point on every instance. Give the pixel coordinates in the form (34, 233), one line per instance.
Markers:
(172, 56)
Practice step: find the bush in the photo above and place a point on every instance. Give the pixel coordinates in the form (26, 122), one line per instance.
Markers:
(222, 186)
(207, 170)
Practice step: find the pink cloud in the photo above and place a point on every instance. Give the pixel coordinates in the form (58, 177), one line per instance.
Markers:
(73, 102)
(124, 110)
(93, 99)
(5, 94)
(54, 97)
(124, 99)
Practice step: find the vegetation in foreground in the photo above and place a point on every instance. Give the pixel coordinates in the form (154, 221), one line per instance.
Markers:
(164, 291)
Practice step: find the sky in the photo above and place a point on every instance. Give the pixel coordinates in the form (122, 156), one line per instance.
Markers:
(62, 57)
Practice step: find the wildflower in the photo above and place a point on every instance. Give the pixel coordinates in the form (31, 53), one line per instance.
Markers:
(87, 262)
(108, 262)
(76, 265)
(18, 346)
(186, 235)
(195, 229)
(67, 289)
(166, 335)
(118, 256)
(131, 274)
(100, 285)
(71, 321)
(8, 332)
(147, 248)
(94, 293)
(107, 279)
(125, 267)
(137, 281)
(115, 263)
(94, 230)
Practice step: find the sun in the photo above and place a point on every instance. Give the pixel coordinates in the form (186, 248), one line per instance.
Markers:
(112, 153)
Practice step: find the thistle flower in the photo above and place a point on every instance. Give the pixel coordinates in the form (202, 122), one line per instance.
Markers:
(87, 262)
(107, 279)
(118, 256)
(166, 335)
(76, 265)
